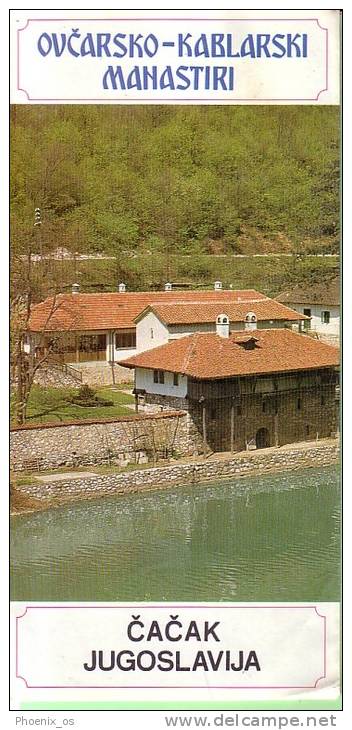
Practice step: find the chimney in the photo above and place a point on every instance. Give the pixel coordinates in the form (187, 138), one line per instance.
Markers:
(75, 288)
(217, 285)
(122, 287)
(223, 325)
(250, 322)
(168, 286)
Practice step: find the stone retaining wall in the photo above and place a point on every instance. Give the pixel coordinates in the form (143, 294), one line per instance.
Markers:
(102, 373)
(245, 463)
(52, 376)
(166, 401)
(120, 441)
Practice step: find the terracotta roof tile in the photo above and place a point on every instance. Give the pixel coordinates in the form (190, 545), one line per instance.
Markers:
(117, 310)
(205, 356)
(204, 312)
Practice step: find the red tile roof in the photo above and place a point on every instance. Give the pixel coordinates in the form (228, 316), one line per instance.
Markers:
(206, 356)
(203, 312)
(119, 310)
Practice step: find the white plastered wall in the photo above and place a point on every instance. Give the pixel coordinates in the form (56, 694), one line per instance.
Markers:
(150, 324)
(150, 333)
(145, 381)
(332, 328)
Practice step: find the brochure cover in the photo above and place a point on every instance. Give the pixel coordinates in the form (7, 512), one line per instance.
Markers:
(175, 398)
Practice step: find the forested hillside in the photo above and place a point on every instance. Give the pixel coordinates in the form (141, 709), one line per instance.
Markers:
(186, 179)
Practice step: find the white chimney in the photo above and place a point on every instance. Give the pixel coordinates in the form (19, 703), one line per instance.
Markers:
(217, 285)
(75, 288)
(122, 287)
(168, 286)
(223, 325)
(250, 321)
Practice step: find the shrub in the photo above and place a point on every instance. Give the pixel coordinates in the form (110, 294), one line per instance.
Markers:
(87, 398)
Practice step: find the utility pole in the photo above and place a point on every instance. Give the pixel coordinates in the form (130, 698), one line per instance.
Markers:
(37, 226)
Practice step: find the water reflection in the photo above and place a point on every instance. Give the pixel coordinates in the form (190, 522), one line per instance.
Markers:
(274, 537)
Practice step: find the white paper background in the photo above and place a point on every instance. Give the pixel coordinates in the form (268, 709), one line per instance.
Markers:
(44, 694)
(314, 79)
(288, 638)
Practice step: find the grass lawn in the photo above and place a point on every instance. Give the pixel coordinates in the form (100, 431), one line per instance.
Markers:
(48, 405)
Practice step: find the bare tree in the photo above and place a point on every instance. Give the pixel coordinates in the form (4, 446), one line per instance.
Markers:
(24, 364)
(32, 278)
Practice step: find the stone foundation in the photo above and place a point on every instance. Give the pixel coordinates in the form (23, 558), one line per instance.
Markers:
(296, 456)
(166, 402)
(83, 443)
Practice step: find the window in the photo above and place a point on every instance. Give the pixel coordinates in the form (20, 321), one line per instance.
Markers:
(151, 333)
(66, 343)
(92, 343)
(81, 343)
(125, 340)
(264, 406)
(239, 411)
(299, 404)
(176, 379)
(158, 376)
(307, 323)
(322, 400)
(325, 317)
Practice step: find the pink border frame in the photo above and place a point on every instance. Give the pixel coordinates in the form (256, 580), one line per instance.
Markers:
(155, 100)
(168, 608)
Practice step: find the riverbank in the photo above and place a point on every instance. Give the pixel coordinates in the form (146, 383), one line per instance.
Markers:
(63, 488)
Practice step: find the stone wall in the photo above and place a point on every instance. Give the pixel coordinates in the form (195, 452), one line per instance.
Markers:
(54, 376)
(120, 441)
(291, 417)
(102, 373)
(296, 415)
(245, 463)
(166, 401)
(300, 417)
(92, 373)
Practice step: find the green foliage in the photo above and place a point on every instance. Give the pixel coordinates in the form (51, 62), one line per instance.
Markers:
(47, 405)
(174, 180)
(269, 274)
(88, 398)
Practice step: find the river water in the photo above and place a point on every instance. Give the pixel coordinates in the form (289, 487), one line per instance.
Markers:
(263, 538)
